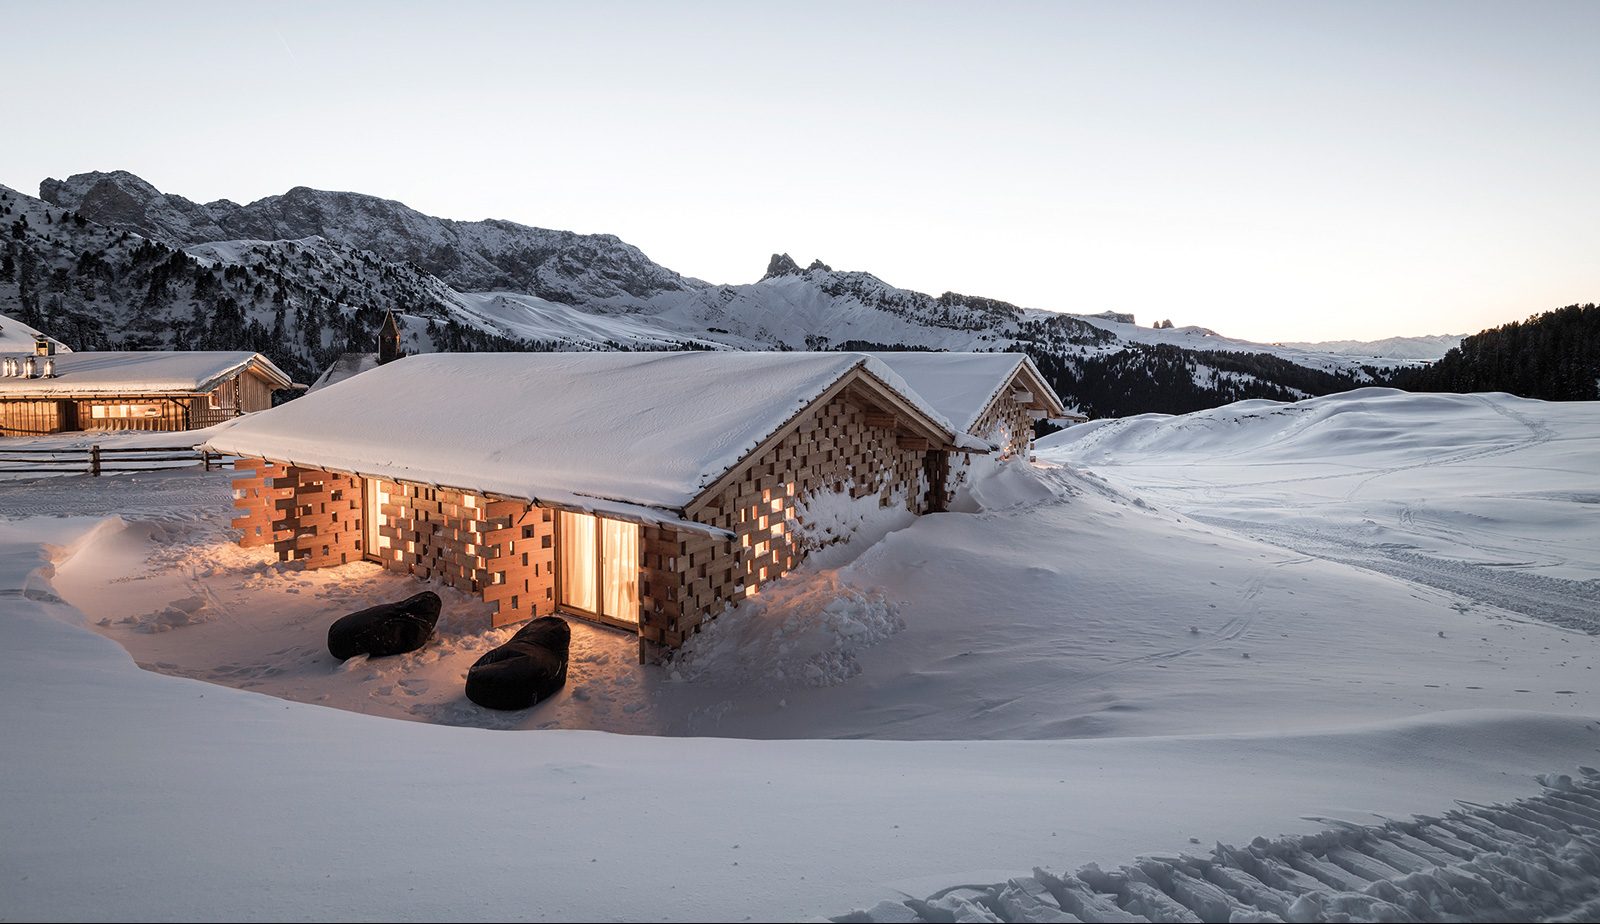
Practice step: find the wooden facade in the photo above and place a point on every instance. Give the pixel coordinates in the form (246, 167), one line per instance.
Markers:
(1008, 420)
(1008, 423)
(860, 437)
(245, 391)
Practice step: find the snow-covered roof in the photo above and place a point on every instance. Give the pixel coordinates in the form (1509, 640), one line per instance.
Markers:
(347, 365)
(961, 386)
(647, 428)
(16, 336)
(144, 372)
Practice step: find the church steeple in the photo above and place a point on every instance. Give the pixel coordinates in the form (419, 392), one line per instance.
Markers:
(389, 339)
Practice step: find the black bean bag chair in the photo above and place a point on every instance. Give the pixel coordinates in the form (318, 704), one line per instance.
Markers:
(389, 629)
(529, 668)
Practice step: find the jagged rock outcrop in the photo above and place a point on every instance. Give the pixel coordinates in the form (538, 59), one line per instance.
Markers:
(781, 264)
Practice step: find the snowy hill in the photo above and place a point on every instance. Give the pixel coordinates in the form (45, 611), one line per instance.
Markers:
(1399, 349)
(329, 261)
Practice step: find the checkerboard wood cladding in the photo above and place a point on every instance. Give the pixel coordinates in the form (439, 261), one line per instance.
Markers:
(1007, 422)
(689, 577)
(436, 534)
(321, 515)
(522, 563)
(503, 550)
(255, 493)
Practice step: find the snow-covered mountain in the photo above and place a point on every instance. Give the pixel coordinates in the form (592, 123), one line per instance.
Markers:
(469, 255)
(300, 302)
(309, 272)
(1401, 349)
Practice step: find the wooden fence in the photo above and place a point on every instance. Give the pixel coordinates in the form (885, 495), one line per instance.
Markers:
(107, 460)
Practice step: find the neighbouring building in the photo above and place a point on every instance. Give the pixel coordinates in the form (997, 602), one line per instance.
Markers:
(46, 392)
(645, 490)
(351, 364)
(995, 397)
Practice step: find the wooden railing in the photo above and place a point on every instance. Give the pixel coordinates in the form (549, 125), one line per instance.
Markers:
(107, 460)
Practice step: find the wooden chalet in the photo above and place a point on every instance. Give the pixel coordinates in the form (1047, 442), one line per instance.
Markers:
(645, 490)
(50, 392)
(995, 397)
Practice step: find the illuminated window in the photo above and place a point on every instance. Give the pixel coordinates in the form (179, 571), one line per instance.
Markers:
(124, 411)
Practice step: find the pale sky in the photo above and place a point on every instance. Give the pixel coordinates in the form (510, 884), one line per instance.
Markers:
(1275, 171)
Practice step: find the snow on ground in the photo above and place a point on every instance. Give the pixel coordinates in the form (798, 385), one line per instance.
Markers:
(1490, 497)
(1177, 680)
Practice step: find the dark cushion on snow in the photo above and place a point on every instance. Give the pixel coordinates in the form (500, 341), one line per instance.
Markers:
(389, 629)
(530, 667)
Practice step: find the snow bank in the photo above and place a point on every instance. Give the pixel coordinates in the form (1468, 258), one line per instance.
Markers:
(1487, 496)
(801, 632)
(194, 801)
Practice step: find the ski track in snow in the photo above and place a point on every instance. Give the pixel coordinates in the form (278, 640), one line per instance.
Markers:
(1533, 859)
(1569, 604)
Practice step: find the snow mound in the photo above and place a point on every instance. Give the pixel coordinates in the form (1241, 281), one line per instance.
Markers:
(803, 631)
(834, 527)
(1379, 424)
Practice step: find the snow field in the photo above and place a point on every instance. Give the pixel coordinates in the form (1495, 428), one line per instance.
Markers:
(1082, 667)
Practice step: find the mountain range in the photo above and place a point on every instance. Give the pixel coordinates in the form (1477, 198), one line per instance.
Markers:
(108, 260)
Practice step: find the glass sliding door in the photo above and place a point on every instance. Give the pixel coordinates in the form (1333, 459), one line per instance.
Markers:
(373, 497)
(579, 572)
(619, 571)
(598, 567)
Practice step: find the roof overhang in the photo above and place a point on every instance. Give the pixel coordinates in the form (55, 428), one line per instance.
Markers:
(872, 393)
(1040, 396)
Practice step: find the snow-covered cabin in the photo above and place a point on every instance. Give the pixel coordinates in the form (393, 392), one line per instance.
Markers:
(995, 397)
(645, 490)
(45, 391)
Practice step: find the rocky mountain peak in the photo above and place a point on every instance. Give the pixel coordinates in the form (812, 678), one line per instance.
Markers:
(473, 256)
(781, 264)
(121, 200)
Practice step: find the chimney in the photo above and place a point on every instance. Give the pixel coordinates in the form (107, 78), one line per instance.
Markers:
(389, 339)
(43, 346)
